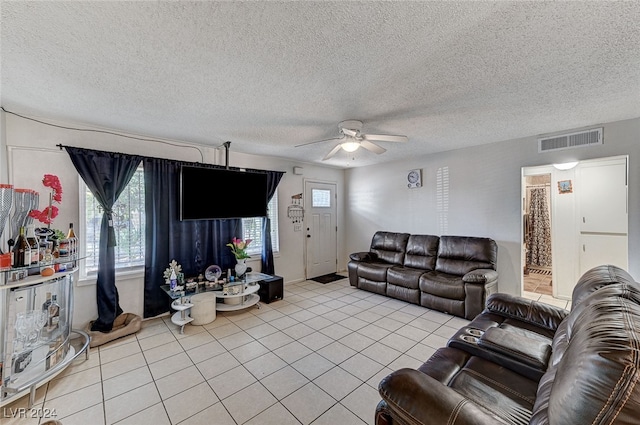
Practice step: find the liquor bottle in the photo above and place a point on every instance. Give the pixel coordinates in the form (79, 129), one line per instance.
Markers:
(21, 251)
(33, 244)
(47, 303)
(73, 242)
(54, 313)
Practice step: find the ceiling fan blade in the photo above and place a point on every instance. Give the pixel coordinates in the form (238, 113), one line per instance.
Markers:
(350, 132)
(385, 138)
(319, 141)
(372, 147)
(333, 152)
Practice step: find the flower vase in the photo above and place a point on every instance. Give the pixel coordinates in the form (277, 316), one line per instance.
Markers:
(241, 266)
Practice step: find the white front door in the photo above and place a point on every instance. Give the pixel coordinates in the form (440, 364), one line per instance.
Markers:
(320, 228)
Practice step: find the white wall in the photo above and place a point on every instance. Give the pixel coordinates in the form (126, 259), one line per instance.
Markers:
(484, 195)
(32, 152)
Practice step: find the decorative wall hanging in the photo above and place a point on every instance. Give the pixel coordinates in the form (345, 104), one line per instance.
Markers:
(564, 186)
(295, 212)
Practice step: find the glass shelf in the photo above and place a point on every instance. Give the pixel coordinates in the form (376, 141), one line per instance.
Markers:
(33, 275)
(23, 368)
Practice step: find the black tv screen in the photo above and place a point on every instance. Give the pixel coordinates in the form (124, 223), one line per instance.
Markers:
(213, 193)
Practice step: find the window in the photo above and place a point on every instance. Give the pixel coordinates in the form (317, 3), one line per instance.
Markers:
(128, 222)
(320, 198)
(252, 229)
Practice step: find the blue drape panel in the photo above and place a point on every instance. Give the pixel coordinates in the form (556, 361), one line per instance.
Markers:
(106, 174)
(195, 244)
(267, 265)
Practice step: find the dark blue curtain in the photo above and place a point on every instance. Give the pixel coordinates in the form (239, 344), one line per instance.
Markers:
(106, 174)
(195, 244)
(267, 266)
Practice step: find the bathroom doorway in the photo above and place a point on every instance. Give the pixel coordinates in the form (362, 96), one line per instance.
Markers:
(574, 217)
(538, 276)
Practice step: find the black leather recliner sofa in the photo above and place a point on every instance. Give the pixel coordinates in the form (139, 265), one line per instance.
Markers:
(524, 362)
(452, 274)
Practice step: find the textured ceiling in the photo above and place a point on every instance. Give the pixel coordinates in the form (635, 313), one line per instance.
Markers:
(271, 75)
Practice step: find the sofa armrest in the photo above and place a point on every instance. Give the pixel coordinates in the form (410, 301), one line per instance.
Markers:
(529, 311)
(363, 256)
(483, 276)
(417, 398)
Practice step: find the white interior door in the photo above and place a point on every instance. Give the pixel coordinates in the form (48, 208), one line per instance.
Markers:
(321, 229)
(603, 213)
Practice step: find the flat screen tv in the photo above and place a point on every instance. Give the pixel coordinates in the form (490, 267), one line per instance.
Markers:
(213, 193)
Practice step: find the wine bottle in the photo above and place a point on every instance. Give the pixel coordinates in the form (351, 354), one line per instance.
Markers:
(73, 241)
(33, 244)
(21, 251)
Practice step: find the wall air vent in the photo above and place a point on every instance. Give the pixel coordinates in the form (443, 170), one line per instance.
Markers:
(570, 140)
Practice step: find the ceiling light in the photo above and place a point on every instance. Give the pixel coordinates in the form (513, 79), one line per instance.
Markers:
(350, 146)
(565, 166)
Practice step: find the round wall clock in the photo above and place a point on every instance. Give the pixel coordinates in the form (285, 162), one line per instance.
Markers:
(414, 178)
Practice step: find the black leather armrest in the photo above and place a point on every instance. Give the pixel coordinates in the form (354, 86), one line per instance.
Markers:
(480, 276)
(536, 313)
(417, 398)
(533, 352)
(363, 256)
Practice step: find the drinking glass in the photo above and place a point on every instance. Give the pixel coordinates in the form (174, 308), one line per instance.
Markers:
(22, 328)
(41, 320)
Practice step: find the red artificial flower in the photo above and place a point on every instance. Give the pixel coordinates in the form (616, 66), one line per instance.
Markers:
(43, 216)
(47, 215)
(53, 182)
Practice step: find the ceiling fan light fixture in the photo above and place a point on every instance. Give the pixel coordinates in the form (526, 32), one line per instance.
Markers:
(350, 146)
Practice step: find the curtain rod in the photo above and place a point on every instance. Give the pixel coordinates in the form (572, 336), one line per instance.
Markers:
(61, 146)
(539, 185)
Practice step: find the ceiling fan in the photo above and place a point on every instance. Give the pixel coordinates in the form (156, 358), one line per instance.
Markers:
(351, 138)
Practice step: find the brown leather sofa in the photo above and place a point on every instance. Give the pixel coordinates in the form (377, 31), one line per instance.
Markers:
(452, 274)
(590, 359)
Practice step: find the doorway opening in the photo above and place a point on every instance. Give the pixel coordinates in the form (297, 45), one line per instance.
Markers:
(538, 276)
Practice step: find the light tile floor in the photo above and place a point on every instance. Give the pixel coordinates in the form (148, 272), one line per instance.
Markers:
(547, 299)
(315, 357)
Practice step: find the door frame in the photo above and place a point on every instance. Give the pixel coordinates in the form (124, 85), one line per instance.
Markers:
(305, 182)
(537, 171)
(564, 216)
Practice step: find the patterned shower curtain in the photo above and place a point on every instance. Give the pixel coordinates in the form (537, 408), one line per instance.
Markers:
(539, 235)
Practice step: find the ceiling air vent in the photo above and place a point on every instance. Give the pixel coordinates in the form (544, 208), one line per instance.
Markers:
(570, 140)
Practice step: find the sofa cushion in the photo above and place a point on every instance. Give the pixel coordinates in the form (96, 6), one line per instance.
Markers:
(442, 285)
(374, 271)
(373, 286)
(389, 247)
(422, 251)
(458, 255)
(489, 385)
(404, 276)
